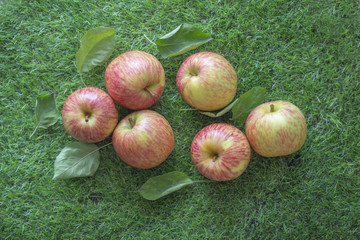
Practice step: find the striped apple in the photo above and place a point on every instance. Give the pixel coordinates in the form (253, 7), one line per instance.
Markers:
(135, 80)
(89, 115)
(206, 81)
(276, 128)
(143, 139)
(220, 152)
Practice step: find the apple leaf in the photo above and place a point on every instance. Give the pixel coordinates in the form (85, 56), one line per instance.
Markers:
(46, 113)
(242, 106)
(159, 186)
(247, 102)
(182, 39)
(96, 46)
(77, 159)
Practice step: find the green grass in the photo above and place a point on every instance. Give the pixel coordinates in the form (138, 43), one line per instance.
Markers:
(305, 52)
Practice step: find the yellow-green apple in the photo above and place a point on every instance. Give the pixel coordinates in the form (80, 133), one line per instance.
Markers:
(206, 81)
(135, 79)
(220, 152)
(276, 128)
(143, 139)
(89, 115)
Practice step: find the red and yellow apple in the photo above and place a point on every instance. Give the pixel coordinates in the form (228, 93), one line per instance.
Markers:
(89, 115)
(207, 81)
(220, 152)
(143, 139)
(135, 79)
(276, 128)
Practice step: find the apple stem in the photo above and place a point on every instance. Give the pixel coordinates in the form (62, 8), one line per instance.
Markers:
(215, 157)
(87, 117)
(132, 123)
(272, 108)
(193, 73)
(149, 91)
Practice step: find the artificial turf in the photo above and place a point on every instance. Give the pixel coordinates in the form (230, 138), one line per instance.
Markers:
(305, 52)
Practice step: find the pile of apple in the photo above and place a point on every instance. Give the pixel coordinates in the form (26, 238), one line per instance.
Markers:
(144, 138)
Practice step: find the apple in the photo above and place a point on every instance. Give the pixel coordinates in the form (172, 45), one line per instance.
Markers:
(135, 80)
(89, 115)
(206, 81)
(276, 128)
(143, 139)
(220, 152)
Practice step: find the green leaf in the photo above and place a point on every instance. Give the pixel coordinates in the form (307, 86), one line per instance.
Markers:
(159, 186)
(96, 46)
(46, 113)
(242, 106)
(247, 102)
(77, 159)
(182, 39)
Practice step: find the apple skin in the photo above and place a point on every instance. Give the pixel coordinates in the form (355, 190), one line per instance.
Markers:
(89, 115)
(135, 80)
(220, 152)
(143, 139)
(277, 133)
(206, 81)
